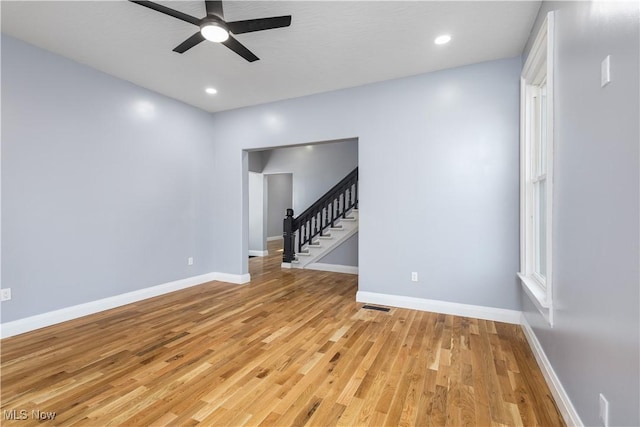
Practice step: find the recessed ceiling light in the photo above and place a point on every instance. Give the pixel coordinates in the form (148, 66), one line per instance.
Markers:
(443, 39)
(211, 91)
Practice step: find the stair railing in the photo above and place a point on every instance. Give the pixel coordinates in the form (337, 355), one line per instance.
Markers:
(322, 214)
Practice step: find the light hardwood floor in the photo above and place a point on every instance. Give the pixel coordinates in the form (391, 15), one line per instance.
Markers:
(290, 348)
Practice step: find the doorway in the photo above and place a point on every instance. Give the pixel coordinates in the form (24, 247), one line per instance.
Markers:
(295, 177)
(269, 197)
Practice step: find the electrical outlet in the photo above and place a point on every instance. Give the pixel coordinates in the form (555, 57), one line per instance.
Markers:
(5, 294)
(414, 276)
(190, 261)
(604, 410)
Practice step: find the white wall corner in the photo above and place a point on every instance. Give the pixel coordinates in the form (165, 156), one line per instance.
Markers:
(565, 406)
(273, 238)
(444, 307)
(238, 279)
(20, 326)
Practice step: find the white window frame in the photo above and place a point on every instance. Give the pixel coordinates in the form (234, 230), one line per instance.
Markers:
(537, 72)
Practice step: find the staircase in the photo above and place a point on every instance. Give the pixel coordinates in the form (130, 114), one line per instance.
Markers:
(323, 245)
(326, 224)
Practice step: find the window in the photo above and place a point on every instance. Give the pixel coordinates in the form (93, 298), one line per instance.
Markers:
(536, 171)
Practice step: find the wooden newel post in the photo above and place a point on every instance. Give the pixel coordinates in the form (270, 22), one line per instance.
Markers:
(289, 237)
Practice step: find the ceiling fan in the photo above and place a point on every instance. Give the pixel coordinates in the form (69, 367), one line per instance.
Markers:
(213, 27)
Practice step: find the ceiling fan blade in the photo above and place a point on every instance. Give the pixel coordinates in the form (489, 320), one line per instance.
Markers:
(168, 11)
(189, 43)
(250, 25)
(214, 7)
(239, 48)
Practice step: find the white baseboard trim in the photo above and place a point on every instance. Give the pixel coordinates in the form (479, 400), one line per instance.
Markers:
(561, 397)
(20, 326)
(444, 307)
(238, 279)
(335, 268)
(286, 265)
(272, 238)
(258, 253)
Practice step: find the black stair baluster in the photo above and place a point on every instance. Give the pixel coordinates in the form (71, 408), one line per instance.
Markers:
(355, 185)
(326, 216)
(333, 212)
(333, 217)
(308, 229)
(325, 219)
(353, 193)
(351, 196)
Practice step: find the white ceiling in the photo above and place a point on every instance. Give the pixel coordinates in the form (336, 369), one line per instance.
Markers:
(329, 45)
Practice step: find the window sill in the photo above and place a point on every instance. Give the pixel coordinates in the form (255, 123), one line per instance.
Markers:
(538, 296)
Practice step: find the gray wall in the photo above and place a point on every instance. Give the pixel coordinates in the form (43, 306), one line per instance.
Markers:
(106, 187)
(345, 254)
(438, 158)
(594, 344)
(279, 199)
(257, 212)
(316, 168)
(255, 161)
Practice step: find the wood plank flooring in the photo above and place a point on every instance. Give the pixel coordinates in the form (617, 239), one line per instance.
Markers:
(290, 348)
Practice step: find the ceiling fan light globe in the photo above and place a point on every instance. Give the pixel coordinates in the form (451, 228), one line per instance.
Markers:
(214, 32)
